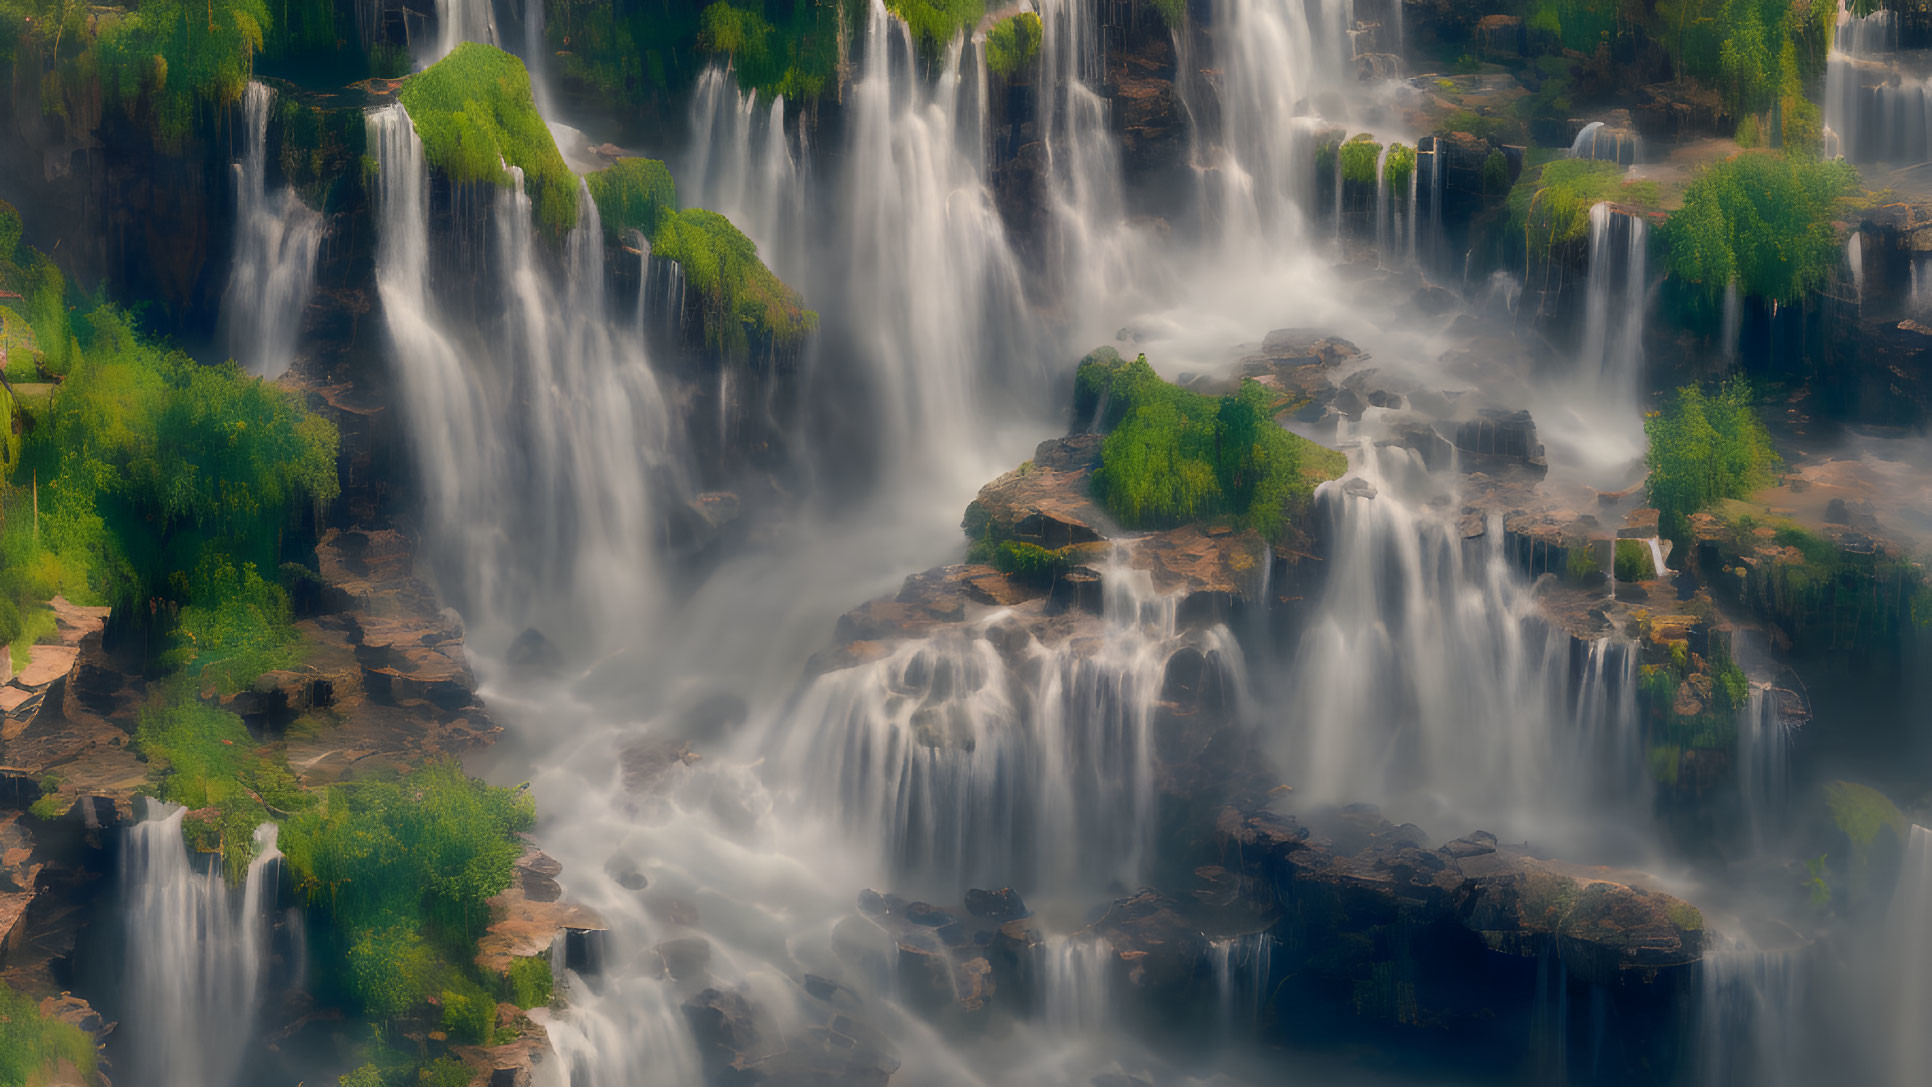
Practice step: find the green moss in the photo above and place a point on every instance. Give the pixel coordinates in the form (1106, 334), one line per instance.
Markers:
(1032, 563)
(474, 112)
(322, 151)
(1761, 220)
(1685, 916)
(935, 23)
(1398, 166)
(632, 194)
(1359, 159)
(1580, 564)
(1663, 761)
(163, 59)
(1550, 204)
(236, 627)
(1704, 448)
(1861, 812)
(1012, 43)
(797, 58)
(1634, 561)
(200, 756)
(744, 306)
(1175, 456)
(469, 1014)
(528, 982)
(1493, 128)
(32, 1045)
(1172, 12)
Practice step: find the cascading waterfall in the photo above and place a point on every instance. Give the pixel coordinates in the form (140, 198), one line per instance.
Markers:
(1763, 763)
(276, 241)
(459, 21)
(540, 431)
(1874, 110)
(1616, 305)
(1908, 954)
(1076, 983)
(1242, 972)
(1430, 681)
(1752, 1009)
(969, 773)
(196, 958)
(741, 165)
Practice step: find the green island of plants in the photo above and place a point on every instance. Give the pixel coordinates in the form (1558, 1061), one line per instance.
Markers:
(1549, 206)
(1012, 43)
(1704, 448)
(1173, 456)
(632, 194)
(1398, 166)
(1762, 221)
(745, 306)
(474, 112)
(32, 1046)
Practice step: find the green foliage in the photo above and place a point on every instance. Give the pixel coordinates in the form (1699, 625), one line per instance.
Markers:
(1663, 761)
(474, 112)
(1633, 561)
(1495, 173)
(166, 57)
(1580, 563)
(528, 982)
(32, 1045)
(321, 150)
(935, 23)
(1550, 204)
(1817, 890)
(1012, 43)
(201, 756)
(1685, 916)
(1172, 12)
(744, 306)
(1861, 812)
(444, 1072)
(797, 58)
(1176, 456)
(1484, 126)
(404, 870)
(1761, 220)
(1399, 166)
(1577, 24)
(237, 627)
(1704, 448)
(1359, 158)
(632, 194)
(366, 1076)
(1031, 563)
(469, 1013)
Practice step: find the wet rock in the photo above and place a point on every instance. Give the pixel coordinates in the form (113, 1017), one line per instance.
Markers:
(532, 656)
(998, 906)
(686, 959)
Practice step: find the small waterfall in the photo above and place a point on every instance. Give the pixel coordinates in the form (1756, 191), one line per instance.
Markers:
(1242, 966)
(741, 165)
(196, 958)
(1429, 680)
(1383, 226)
(1077, 983)
(1616, 305)
(1595, 141)
(459, 21)
(1855, 260)
(1656, 545)
(276, 240)
(970, 770)
(1732, 325)
(539, 427)
(1875, 110)
(1751, 1032)
(1909, 954)
(1763, 763)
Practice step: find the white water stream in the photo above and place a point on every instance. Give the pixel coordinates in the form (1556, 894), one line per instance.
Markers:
(276, 241)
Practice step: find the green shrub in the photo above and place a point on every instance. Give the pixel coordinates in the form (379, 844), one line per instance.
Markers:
(469, 1015)
(1172, 12)
(474, 112)
(1399, 166)
(632, 194)
(1704, 448)
(1581, 563)
(1359, 160)
(366, 1076)
(1013, 43)
(444, 1072)
(201, 756)
(1634, 561)
(744, 305)
(31, 1045)
(170, 55)
(1031, 563)
(797, 58)
(1176, 456)
(935, 23)
(528, 982)
(1760, 220)
(236, 627)
(1550, 204)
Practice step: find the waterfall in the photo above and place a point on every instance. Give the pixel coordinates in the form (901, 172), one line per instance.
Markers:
(741, 165)
(1909, 955)
(1077, 983)
(1428, 679)
(196, 958)
(970, 769)
(459, 21)
(539, 428)
(1875, 109)
(1751, 1032)
(1242, 972)
(1855, 260)
(1763, 763)
(1594, 141)
(276, 240)
(1616, 305)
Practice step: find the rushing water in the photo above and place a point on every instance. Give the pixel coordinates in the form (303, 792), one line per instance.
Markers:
(197, 955)
(276, 240)
(1874, 110)
(1907, 1008)
(1616, 304)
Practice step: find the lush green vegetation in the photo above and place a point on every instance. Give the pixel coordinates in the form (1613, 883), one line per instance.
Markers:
(403, 869)
(1633, 561)
(1720, 689)
(1550, 204)
(1013, 42)
(632, 195)
(528, 982)
(202, 757)
(745, 306)
(1175, 456)
(1762, 221)
(935, 23)
(1399, 166)
(1824, 597)
(32, 1046)
(1703, 448)
(1172, 12)
(797, 56)
(321, 151)
(1359, 158)
(474, 112)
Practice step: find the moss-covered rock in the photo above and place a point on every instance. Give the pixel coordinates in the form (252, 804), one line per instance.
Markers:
(632, 194)
(744, 306)
(935, 23)
(1012, 43)
(475, 114)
